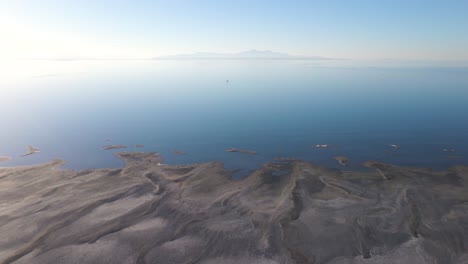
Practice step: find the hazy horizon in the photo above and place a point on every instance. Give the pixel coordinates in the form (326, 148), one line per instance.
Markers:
(363, 30)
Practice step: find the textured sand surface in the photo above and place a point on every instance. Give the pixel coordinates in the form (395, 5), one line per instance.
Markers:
(149, 213)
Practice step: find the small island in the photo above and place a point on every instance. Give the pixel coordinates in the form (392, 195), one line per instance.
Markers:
(31, 150)
(109, 147)
(139, 146)
(4, 158)
(241, 151)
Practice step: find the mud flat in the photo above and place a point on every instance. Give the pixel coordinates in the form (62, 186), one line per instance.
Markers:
(145, 213)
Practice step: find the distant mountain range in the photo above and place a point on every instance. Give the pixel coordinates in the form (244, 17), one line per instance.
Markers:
(245, 55)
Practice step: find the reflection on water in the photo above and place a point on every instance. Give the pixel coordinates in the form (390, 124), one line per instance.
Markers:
(277, 108)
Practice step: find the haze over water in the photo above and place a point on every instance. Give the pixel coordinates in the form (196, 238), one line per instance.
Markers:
(278, 108)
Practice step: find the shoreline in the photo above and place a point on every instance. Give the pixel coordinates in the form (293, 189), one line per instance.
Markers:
(349, 167)
(283, 212)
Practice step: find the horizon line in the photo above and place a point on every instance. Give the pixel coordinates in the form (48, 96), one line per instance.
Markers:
(292, 58)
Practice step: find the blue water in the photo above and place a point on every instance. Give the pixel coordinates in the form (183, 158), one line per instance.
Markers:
(277, 108)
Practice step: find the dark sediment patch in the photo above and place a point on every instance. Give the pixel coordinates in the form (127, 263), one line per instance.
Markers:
(283, 212)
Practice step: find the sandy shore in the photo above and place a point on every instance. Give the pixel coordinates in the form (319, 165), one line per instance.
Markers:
(149, 213)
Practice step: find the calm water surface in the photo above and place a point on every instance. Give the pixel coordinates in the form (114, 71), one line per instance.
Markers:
(278, 108)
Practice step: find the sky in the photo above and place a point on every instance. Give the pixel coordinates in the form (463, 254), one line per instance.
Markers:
(358, 29)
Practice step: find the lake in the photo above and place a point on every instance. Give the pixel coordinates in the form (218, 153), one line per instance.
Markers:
(279, 108)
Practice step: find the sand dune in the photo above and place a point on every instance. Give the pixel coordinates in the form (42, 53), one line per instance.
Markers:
(145, 213)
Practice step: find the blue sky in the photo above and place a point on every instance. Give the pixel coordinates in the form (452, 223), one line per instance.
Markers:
(359, 29)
